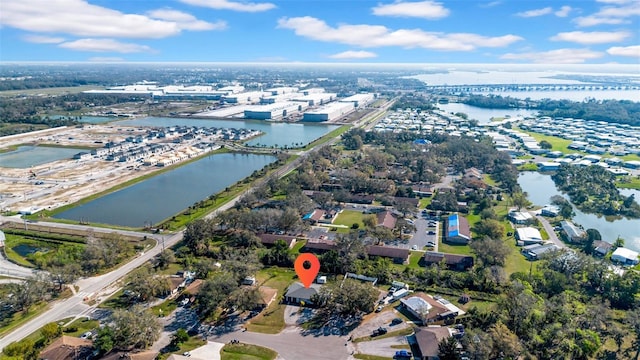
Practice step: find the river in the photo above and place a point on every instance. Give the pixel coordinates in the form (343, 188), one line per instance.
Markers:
(275, 133)
(164, 195)
(540, 188)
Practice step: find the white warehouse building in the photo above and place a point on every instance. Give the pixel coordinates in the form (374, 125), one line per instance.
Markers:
(275, 111)
(359, 100)
(329, 112)
(282, 90)
(246, 97)
(316, 99)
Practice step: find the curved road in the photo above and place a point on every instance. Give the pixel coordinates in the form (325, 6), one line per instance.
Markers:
(75, 305)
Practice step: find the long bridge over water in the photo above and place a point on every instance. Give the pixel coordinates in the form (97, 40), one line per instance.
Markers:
(530, 87)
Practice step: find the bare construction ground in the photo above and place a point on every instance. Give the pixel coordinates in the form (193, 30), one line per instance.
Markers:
(62, 182)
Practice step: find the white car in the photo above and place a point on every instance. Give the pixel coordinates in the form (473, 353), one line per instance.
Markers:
(414, 247)
(87, 335)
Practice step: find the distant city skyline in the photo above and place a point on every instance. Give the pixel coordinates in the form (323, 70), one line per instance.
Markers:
(363, 31)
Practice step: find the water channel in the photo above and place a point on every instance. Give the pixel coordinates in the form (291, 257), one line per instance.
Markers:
(276, 133)
(484, 115)
(164, 195)
(541, 188)
(27, 156)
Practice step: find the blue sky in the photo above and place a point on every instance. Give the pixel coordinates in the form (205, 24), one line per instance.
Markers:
(385, 31)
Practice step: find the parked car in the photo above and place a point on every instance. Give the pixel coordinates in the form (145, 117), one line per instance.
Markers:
(396, 321)
(379, 331)
(414, 247)
(431, 232)
(402, 354)
(86, 335)
(431, 244)
(379, 308)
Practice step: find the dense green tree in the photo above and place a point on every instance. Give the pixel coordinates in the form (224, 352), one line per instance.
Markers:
(214, 292)
(133, 328)
(448, 349)
(490, 251)
(490, 228)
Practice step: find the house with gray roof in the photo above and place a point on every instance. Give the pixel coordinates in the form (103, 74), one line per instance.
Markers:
(298, 294)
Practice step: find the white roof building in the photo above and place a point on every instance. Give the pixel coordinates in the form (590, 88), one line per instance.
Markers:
(625, 256)
(528, 235)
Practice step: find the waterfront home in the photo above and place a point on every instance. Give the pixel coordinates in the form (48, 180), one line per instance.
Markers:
(625, 256)
(571, 232)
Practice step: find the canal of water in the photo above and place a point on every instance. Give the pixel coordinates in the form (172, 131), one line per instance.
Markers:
(166, 194)
(540, 188)
(275, 133)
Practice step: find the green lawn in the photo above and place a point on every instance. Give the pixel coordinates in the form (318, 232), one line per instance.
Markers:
(414, 259)
(489, 181)
(454, 249)
(629, 182)
(299, 245)
(348, 218)
(165, 308)
(424, 202)
(271, 319)
(81, 325)
(21, 317)
(193, 343)
(246, 352)
(516, 262)
(371, 357)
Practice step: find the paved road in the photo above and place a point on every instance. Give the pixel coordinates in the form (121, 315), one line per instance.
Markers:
(549, 229)
(7, 268)
(89, 287)
(292, 345)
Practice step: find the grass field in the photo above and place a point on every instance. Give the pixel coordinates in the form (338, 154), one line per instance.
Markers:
(454, 249)
(348, 218)
(629, 182)
(370, 357)
(81, 325)
(271, 319)
(246, 352)
(192, 343)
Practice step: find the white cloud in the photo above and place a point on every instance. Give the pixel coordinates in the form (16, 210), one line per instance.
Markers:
(534, 13)
(610, 15)
(79, 18)
(42, 39)
(104, 45)
(422, 9)
(186, 21)
(369, 36)
(558, 56)
(491, 4)
(231, 5)
(563, 12)
(594, 37)
(618, 2)
(351, 54)
(632, 51)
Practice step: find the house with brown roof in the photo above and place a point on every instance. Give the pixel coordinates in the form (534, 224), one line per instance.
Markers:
(194, 287)
(428, 310)
(398, 255)
(318, 246)
(176, 283)
(427, 340)
(267, 295)
(386, 219)
(67, 348)
(453, 261)
(270, 239)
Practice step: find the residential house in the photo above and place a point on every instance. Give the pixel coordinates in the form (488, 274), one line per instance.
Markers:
(601, 248)
(453, 261)
(625, 256)
(571, 232)
(318, 246)
(535, 251)
(528, 236)
(550, 211)
(68, 348)
(298, 294)
(176, 283)
(473, 173)
(520, 217)
(267, 295)
(314, 217)
(398, 255)
(427, 340)
(422, 190)
(269, 240)
(457, 230)
(427, 310)
(386, 219)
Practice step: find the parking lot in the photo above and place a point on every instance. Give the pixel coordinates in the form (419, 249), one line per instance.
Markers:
(426, 235)
(377, 320)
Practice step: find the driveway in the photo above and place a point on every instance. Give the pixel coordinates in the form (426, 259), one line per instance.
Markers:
(549, 229)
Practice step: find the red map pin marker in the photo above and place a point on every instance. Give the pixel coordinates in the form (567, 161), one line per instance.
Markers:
(307, 275)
